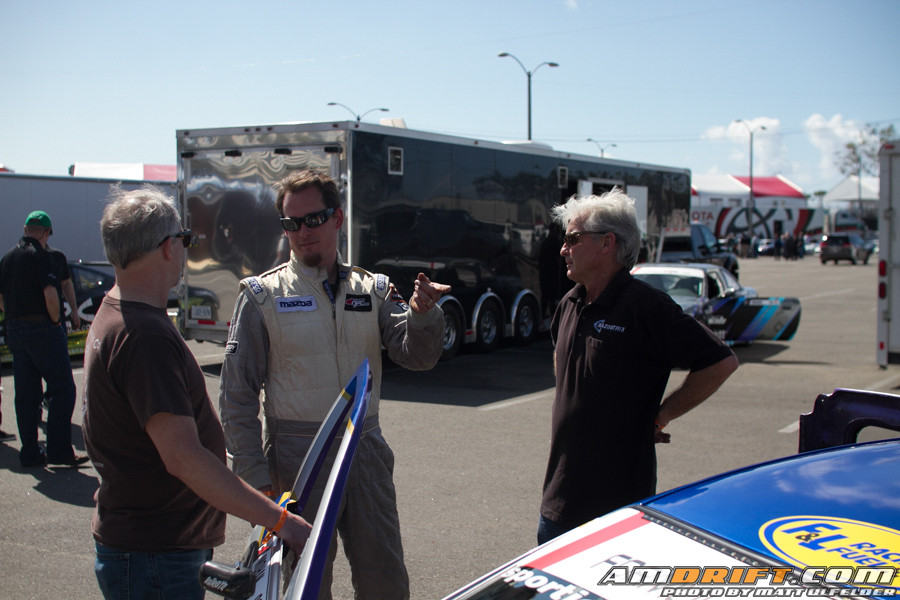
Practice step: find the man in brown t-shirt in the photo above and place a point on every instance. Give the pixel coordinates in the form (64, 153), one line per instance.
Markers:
(150, 429)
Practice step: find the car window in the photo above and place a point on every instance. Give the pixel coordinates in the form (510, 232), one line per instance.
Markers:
(676, 244)
(86, 280)
(707, 238)
(729, 281)
(685, 286)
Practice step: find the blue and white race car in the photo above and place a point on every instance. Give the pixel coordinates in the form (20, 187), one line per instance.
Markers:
(714, 297)
(823, 523)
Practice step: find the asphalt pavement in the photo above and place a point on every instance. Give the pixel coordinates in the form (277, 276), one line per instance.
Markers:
(471, 441)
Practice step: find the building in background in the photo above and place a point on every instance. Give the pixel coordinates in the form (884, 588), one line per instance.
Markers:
(720, 203)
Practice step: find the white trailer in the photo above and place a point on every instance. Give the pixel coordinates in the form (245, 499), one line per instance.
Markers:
(888, 304)
(74, 204)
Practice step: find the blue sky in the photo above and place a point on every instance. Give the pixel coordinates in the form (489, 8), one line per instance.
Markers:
(103, 81)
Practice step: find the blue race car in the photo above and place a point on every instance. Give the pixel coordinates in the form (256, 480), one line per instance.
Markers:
(823, 523)
(714, 297)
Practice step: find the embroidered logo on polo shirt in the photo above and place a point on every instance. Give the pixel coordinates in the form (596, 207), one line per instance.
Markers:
(602, 326)
(358, 302)
(295, 303)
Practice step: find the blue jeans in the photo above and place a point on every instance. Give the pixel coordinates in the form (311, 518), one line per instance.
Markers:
(40, 351)
(126, 575)
(547, 530)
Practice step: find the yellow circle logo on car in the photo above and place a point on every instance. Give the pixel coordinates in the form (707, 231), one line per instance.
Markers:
(836, 551)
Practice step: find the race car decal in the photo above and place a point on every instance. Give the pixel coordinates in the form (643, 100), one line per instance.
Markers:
(749, 319)
(856, 553)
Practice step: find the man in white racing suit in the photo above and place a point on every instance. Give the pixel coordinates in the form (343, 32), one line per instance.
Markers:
(299, 332)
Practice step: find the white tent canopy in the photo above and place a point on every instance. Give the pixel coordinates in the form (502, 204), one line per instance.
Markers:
(851, 189)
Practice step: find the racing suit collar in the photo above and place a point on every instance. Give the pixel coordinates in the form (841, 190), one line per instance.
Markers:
(318, 273)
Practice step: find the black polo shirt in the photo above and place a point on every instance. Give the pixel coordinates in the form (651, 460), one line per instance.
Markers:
(613, 360)
(63, 273)
(25, 271)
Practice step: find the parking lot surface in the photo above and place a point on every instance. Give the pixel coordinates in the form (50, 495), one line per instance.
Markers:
(471, 441)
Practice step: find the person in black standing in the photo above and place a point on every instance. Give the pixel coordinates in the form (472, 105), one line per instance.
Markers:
(616, 341)
(30, 297)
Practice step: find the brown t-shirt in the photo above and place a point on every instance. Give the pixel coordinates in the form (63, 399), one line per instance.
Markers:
(136, 364)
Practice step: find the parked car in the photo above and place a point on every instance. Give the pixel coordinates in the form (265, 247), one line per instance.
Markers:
(844, 246)
(823, 523)
(765, 247)
(713, 296)
(701, 246)
(91, 282)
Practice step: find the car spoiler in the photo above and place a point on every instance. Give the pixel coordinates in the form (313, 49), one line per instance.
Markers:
(837, 418)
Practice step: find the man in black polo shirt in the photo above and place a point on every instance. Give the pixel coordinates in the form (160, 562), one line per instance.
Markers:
(30, 298)
(616, 341)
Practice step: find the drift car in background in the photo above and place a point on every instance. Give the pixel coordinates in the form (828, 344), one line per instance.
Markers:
(91, 283)
(714, 297)
(823, 523)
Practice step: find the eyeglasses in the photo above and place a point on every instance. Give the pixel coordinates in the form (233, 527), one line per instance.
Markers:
(573, 237)
(186, 238)
(312, 220)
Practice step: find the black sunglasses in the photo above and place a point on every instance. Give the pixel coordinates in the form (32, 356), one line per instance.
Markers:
(312, 220)
(573, 237)
(186, 238)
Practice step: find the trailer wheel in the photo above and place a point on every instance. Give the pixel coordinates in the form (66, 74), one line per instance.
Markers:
(453, 333)
(526, 324)
(487, 328)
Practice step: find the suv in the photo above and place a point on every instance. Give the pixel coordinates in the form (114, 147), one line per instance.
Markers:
(844, 246)
(700, 247)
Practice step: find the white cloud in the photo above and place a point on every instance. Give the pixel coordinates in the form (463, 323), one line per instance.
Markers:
(829, 136)
(769, 150)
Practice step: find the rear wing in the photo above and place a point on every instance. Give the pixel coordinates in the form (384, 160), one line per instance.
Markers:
(837, 418)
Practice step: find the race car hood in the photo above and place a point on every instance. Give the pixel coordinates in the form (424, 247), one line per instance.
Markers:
(833, 497)
(815, 521)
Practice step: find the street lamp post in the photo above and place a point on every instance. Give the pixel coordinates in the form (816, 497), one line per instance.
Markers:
(602, 148)
(353, 112)
(528, 74)
(751, 202)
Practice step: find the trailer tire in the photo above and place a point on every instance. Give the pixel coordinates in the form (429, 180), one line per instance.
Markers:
(453, 331)
(526, 326)
(488, 328)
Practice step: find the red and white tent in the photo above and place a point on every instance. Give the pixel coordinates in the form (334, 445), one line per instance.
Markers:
(124, 171)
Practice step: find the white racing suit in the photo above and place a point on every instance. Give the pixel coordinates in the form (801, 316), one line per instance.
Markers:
(299, 341)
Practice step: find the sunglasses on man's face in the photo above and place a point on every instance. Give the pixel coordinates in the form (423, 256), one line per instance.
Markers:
(312, 220)
(186, 238)
(573, 237)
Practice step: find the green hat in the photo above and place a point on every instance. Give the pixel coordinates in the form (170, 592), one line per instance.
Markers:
(39, 218)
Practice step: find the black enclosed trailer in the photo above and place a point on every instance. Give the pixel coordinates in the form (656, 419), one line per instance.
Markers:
(471, 213)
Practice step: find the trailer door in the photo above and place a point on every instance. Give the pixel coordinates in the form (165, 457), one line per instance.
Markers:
(228, 202)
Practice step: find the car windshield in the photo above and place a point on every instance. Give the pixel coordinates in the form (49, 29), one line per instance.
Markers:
(673, 284)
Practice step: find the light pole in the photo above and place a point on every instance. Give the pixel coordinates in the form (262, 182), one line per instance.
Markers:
(352, 112)
(528, 74)
(602, 148)
(751, 202)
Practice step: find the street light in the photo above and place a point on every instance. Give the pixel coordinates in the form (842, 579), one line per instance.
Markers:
(528, 74)
(751, 203)
(602, 148)
(353, 112)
